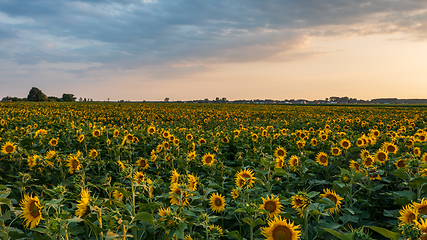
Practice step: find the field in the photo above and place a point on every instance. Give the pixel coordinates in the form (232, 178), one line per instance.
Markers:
(210, 171)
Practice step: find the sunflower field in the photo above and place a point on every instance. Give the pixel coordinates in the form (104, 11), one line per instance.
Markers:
(212, 171)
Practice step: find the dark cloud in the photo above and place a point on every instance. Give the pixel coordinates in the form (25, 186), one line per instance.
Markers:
(135, 33)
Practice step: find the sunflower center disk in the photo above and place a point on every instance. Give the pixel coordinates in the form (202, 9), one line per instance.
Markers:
(270, 206)
(9, 149)
(282, 233)
(35, 210)
(218, 202)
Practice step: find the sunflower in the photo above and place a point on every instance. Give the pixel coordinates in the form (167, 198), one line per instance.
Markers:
(272, 205)
(53, 142)
(31, 210)
(50, 154)
(32, 160)
(191, 155)
(121, 165)
(208, 159)
(299, 201)
(116, 133)
(254, 137)
(217, 202)
(151, 130)
(300, 143)
(390, 147)
(139, 177)
(189, 137)
(408, 214)
(96, 133)
(322, 158)
(235, 193)
(421, 207)
(93, 153)
(424, 158)
(313, 142)
(417, 151)
(360, 142)
(73, 164)
(81, 138)
(369, 161)
(176, 142)
(192, 182)
(400, 163)
(163, 212)
(331, 195)
(83, 203)
(117, 195)
(215, 230)
(346, 144)
(293, 161)
(422, 226)
(336, 151)
(240, 181)
(280, 152)
(178, 195)
(373, 174)
(143, 163)
(166, 145)
(280, 162)
(129, 137)
(364, 153)
(279, 228)
(224, 140)
(165, 134)
(8, 148)
(381, 156)
(175, 177)
(248, 176)
(202, 141)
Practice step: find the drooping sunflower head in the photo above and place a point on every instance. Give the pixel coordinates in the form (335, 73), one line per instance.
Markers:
(215, 231)
(334, 197)
(272, 205)
(178, 195)
(208, 159)
(293, 161)
(322, 158)
(408, 214)
(422, 226)
(280, 152)
(139, 177)
(83, 203)
(8, 148)
(235, 193)
(164, 212)
(50, 154)
(192, 182)
(279, 228)
(31, 210)
(175, 176)
(217, 202)
(117, 195)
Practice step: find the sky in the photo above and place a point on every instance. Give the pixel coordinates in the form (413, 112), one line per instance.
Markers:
(195, 49)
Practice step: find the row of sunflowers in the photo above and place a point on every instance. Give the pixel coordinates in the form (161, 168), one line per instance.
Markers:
(212, 171)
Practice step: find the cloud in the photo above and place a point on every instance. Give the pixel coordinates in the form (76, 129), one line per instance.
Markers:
(133, 34)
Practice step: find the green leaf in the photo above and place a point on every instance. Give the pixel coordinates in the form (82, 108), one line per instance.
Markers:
(235, 234)
(280, 172)
(349, 218)
(6, 216)
(385, 232)
(342, 236)
(180, 231)
(400, 173)
(5, 201)
(419, 181)
(145, 217)
(74, 219)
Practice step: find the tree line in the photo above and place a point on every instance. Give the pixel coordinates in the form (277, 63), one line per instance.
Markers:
(37, 95)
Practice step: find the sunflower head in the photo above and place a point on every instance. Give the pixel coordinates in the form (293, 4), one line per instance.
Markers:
(322, 158)
(408, 214)
(143, 163)
(217, 202)
(208, 159)
(334, 197)
(280, 152)
(31, 210)
(272, 205)
(279, 228)
(8, 148)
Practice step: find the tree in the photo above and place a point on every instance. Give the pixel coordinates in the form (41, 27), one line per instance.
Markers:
(36, 95)
(166, 99)
(68, 97)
